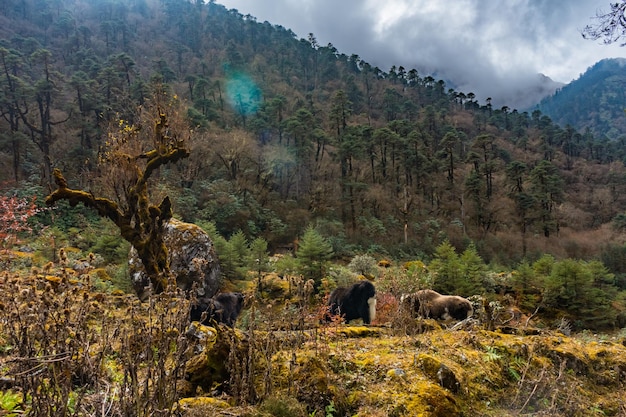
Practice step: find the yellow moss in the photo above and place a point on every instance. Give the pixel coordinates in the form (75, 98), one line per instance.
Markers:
(200, 364)
(282, 362)
(430, 400)
(312, 373)
(567, 351)
(53, 279)
(102, 274)
(442, 371)
(202, 402)
(20, 254)
(416, 265)
(359, 331)
(274, 287)
(384, 263)
(208, 369)
(600, 350)
(367, 361)
(356, 398)
(428, 325)
(395, 373)
(416, 398)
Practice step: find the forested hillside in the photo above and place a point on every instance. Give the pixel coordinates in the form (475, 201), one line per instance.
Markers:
(289, 133)
(273, 144)
(595, 101)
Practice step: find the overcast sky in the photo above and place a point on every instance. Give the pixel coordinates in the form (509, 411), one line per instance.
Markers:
(489, 47)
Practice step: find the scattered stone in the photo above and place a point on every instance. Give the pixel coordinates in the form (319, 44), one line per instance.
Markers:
(396, 373)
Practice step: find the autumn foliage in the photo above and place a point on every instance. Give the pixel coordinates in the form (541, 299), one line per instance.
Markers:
(14, 215)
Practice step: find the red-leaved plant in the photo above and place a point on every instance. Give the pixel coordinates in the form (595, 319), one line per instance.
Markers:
(14, 215)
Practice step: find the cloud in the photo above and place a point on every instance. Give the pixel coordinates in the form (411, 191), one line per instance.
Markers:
(489, 47)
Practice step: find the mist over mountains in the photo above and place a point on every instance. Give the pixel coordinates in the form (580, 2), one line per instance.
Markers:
(524, 95)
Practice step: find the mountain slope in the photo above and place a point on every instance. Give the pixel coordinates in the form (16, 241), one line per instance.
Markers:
(291, 133)
(595, 101)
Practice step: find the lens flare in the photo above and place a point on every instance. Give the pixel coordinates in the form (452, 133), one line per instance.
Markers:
(244, 96)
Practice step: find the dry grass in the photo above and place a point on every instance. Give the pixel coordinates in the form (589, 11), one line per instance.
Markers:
(69, 350)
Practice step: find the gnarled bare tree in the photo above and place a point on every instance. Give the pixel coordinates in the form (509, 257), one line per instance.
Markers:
(134, 151)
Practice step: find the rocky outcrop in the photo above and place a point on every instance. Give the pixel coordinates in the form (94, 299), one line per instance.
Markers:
(192, 261)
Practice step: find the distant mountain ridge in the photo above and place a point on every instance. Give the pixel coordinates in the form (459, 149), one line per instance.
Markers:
(595, 101)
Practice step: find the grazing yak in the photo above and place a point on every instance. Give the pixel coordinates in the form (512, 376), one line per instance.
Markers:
(431, 304)
(355, 302)
(224, 308)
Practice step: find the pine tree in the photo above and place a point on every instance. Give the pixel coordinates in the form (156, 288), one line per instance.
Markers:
(447, 269)
(473, 269)
(313, 255)
(258, 258)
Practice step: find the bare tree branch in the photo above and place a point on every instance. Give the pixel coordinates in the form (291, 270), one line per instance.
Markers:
(611, 27)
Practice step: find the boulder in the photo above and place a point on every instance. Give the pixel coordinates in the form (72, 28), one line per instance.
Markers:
(439, 372)
(214, 347)
(192, 261)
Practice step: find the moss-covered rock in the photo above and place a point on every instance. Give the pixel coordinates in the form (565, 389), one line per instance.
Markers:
(208, 368)
(192, 260)
(311, 379)
(439, 372)
(274, 287)
(427, 400)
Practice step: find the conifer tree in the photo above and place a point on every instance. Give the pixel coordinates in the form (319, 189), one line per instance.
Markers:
(447, 269)
(473, 269)
(313, 254)
(258, 259)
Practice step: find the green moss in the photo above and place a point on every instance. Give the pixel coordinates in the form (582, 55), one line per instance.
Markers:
(10, 403)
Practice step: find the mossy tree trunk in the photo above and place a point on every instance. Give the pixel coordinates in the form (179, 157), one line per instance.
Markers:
(140, 222)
